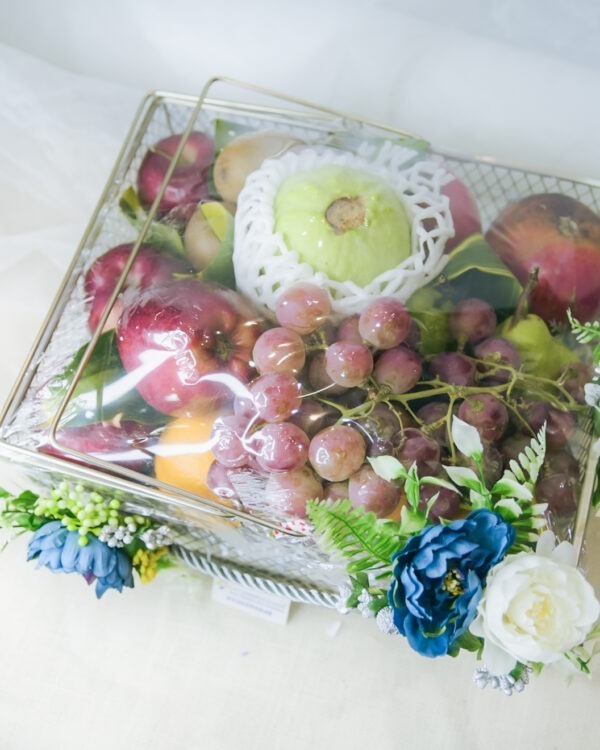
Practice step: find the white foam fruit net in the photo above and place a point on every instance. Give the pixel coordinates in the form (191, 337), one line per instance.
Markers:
(264, 265)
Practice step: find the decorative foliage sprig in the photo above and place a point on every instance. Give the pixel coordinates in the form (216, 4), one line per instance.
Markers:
(77, 530)
(431, 582)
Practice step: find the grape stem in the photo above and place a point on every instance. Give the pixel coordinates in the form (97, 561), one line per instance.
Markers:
(518, 382)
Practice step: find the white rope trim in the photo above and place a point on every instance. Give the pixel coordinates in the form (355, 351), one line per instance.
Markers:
(226, 572)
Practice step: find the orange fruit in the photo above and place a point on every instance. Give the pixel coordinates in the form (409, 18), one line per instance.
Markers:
(184, 455)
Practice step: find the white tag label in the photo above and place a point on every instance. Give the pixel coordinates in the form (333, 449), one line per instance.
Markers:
(258, 603)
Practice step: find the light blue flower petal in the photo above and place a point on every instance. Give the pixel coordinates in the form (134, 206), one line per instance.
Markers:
(49, 536)
(125, 569)
(50, 558)
(85, 563)
(70, 552)
(105, 559)
(101, 588)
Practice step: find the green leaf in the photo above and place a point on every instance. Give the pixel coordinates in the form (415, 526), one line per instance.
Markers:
(466, 642)
(437, 482)
(130, 205)
(388, 468)
(220, 269)
(365, 540)
(160, 234)
(431, 313)
(412, 488)
(508, 487)
(526, 468)
(412, 521)
(462, 476)
(101, 393)
(25, 501)
(226, 131)
(354, 142)
(585, 333)
(475, 270)
(508, 508)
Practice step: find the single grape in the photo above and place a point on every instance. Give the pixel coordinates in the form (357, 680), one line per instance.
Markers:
(313, 416)
(446, 506)
(471, 321)
(498, 352)
(337, 452)
(574, 378)
(352, 397)
(335, 491)
(382, 428)
(561, 462)
(380, 447)
(303, 308)
(416, 446)
(434, 416)
(289, 491)
(413, 337)
(453, 368)
(318, 377)
(228, 441)
(348, 364)
(487, 414)
(280, 447)
(535, 413)
(218, 480)
(384, 323)
(276, 396)
(375, 494)
(560, 425)
(399, 369)
(512, 447)
(348, 331)
(244, 406)
(560, 490)
(560, 428)
(279, 350)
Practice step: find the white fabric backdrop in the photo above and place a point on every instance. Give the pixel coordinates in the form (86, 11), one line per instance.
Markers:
(162, 667)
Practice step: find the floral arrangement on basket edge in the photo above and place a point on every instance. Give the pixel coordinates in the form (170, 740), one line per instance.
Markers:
(493, 582)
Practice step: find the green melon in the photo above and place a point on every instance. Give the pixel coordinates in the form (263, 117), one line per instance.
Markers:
(345, 223)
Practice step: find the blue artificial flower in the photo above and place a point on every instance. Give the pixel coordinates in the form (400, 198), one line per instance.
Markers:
(439, 578)
(59, 549)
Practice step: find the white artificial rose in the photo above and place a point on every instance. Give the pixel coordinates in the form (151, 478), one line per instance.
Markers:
(535, 607)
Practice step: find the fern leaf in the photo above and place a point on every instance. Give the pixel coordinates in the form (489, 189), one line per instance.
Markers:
(526, 468)
(367, 542)
(584, 332)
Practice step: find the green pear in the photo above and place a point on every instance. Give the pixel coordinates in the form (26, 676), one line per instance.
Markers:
(541, 353)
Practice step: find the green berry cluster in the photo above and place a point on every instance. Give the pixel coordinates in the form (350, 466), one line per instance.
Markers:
(83, 511)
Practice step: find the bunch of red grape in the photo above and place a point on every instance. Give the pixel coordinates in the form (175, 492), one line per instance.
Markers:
(328, 397)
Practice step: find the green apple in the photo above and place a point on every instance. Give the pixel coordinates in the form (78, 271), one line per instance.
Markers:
(344, 222)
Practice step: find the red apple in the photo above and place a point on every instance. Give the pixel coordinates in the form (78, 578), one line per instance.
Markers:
(187, 345)
(560, 237)
(464, 211)
(149, 267)
(126, 444)
(189, 181)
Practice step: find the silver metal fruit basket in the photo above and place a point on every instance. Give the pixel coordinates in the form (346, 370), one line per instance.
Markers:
(228, 543)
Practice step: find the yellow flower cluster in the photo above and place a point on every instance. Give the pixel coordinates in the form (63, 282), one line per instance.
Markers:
(144, 561)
